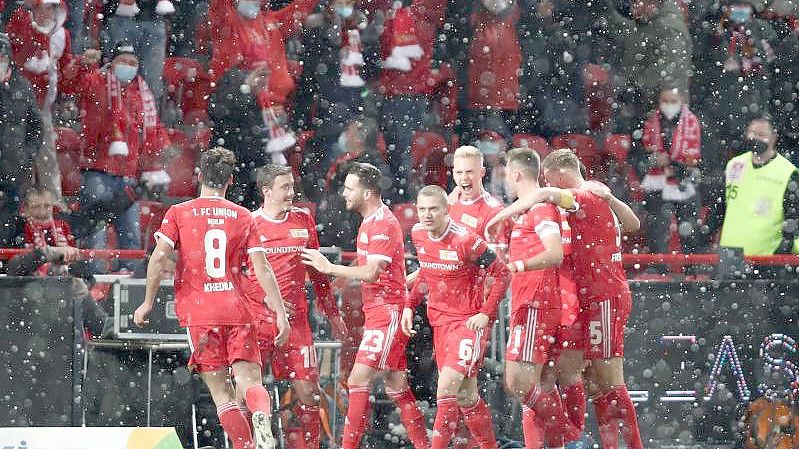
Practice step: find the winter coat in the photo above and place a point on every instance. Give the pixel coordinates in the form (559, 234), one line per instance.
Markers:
(650, 49)
(496, 58)
(238, 122)
(101, 126)
(20, 130)
(428, 17)
(246, 42)
(41, 57)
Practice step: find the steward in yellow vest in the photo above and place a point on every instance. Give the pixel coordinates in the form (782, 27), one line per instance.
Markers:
(761, 196)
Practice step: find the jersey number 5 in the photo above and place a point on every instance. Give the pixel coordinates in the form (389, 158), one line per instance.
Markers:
(215, 249)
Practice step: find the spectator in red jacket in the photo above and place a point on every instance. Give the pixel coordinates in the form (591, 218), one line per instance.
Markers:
(43, 231)
(123, 145)
(41, 49)
(245, 36)
(493, 89)
(408, 80)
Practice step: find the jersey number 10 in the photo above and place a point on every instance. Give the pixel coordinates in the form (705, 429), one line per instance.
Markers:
(215, 250)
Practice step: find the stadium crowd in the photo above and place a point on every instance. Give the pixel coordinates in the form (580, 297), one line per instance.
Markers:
(108, 105)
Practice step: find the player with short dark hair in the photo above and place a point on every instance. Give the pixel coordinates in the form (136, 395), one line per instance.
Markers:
(456, 265)
(596, 220)
(283, 232)
(213, 237)
(381, 269)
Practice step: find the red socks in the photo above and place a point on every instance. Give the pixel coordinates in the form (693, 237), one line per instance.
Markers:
(478, 420)
(247, 415)
(446, 422)
(553, 419)
(308, 417)
(532, 434)
(358, 414)
(615, 412)
(411, 417)
(258, 400)
(235, 425)
(574, 403)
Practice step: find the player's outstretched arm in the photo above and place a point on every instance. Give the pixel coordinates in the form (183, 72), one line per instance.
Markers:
(156, 267)
(327, 302)
(552, 256)
(627, 218)
(366, 273)
(554, 195)
(273, 299)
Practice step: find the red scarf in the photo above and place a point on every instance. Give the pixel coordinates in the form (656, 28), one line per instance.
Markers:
(149, 109)
(351, 59)
(743, 55)
(40, 234)
(685, 143)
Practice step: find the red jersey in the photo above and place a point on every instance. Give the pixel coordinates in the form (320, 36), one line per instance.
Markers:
(212, 237)
(535, 288)
(283, 241)
(450, 273)
(474, 214)
(568, 287)
(599, 272)
(380, 237)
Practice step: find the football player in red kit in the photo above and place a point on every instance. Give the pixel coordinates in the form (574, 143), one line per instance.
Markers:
(470, 204)
(381, 269)
(212, 237)
(455, 266)
(535, 253)
(284, 231)
(596, 220)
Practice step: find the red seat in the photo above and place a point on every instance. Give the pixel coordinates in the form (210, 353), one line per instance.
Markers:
(68, 152)
(406, 215)
(181, 168)
(533, 142)
(428, 152)
(583, 146)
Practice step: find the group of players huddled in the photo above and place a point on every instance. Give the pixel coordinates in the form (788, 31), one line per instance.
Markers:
(240, 292)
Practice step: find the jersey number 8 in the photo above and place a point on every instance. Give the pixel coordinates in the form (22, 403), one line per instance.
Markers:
(215, 248)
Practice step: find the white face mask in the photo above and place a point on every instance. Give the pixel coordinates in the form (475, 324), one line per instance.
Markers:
(670, 110)
(496, 6)
(249, 8)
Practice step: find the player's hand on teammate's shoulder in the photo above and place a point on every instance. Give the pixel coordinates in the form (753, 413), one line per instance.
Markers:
(141, 314)
(478, 321)
(283, 329)
(339, 328)
(598, 189)
(492, 229)
(406, 322)
(314, 258)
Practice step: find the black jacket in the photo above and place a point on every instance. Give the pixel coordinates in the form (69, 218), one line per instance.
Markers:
(20, 130)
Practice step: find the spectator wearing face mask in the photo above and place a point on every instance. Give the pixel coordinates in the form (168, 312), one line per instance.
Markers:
(734, 74)
(667, 160)
(42, 51)
(760, 210)
(124, 141)
(653, 39)
(247, 34)
(142, 23)
(20, 135)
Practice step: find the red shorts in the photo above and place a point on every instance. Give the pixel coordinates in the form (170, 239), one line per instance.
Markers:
(215, 348)
(606, 323)
(572, 337)
(295, 360)
(532, 335)
(458, 347)
(383, 342)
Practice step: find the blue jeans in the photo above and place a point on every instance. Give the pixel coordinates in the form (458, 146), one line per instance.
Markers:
(149, 41)
(99, 189)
